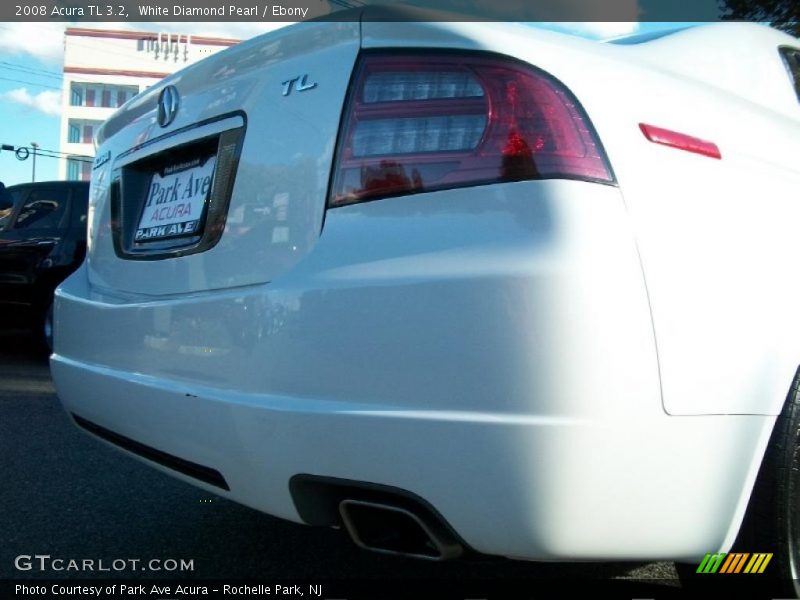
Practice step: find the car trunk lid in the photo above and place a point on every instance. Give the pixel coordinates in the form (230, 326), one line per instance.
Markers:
(232, 191)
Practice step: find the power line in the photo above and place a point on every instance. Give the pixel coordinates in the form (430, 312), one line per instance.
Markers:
(51, 153)
(72, 158)
(61, 153)
(32, 70)
(50, 87)
(25, 71)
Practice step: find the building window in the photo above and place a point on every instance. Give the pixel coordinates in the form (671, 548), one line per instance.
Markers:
(81, 131)
(79, 169)
(73, 169)
(76, 97)
(106, 96)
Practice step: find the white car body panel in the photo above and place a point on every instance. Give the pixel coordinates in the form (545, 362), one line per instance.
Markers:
(602, 365)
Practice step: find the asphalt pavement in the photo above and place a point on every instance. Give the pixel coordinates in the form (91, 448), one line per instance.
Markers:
(66, 495)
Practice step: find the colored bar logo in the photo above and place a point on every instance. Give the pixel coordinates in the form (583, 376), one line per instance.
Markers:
(734, 562)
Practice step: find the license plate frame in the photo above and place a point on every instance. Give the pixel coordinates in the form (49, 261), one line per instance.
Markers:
(176, 204)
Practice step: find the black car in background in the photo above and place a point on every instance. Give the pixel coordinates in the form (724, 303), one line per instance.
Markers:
(42, 241)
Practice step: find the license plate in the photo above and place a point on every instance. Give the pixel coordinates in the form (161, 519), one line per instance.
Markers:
(176, 201)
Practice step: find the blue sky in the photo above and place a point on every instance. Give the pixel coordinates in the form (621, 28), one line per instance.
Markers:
(22, 124)
(31, 60)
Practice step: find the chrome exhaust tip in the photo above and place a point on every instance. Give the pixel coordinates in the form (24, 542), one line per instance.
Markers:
(395, 530)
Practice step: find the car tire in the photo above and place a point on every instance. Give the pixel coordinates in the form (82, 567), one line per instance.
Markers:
(772, 520)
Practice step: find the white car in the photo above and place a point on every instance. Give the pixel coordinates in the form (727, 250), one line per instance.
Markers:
(458, 285)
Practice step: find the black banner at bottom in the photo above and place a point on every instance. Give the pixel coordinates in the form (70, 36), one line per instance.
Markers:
(391, 589)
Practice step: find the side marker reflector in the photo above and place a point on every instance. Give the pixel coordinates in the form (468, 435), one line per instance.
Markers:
(681, 141)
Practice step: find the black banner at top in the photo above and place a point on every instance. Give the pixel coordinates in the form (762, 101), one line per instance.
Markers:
(408, 10)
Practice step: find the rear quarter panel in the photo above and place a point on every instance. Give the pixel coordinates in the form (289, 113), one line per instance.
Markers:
(716, 237)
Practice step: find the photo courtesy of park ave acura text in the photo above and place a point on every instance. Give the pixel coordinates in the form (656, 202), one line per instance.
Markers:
(400, 299)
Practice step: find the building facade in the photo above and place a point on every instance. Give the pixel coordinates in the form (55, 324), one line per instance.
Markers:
(103, 69)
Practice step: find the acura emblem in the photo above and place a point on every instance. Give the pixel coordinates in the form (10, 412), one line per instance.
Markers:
(168, 103)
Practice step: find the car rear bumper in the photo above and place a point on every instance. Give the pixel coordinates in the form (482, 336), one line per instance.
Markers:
(522, 486)
(488, 350)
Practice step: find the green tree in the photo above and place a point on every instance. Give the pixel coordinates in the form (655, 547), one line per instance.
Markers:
(781, 14)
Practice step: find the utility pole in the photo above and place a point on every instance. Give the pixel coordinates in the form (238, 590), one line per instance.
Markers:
(34, 145)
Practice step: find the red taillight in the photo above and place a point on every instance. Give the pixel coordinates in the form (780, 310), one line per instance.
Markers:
(681, 141)
(419, 123)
